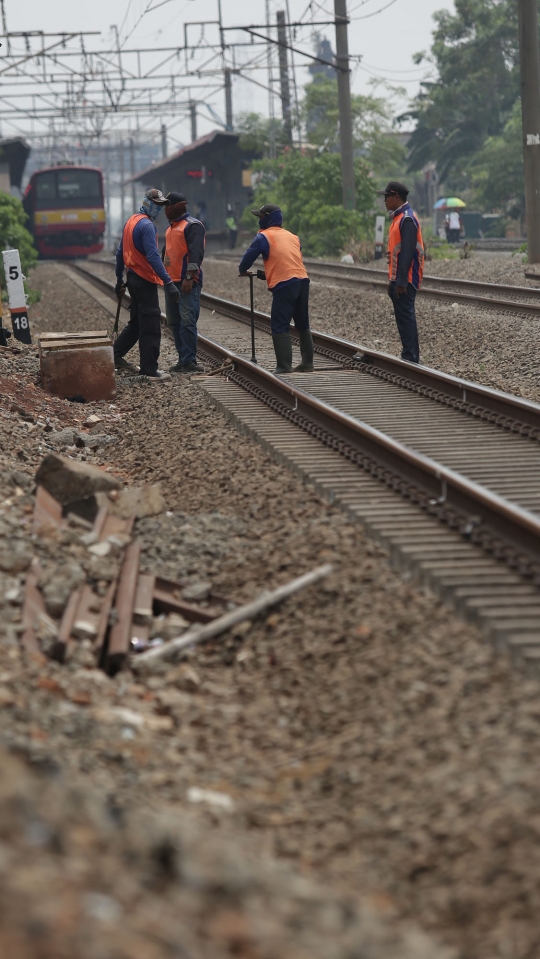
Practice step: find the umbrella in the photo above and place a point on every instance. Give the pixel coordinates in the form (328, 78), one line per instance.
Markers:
(449, 202)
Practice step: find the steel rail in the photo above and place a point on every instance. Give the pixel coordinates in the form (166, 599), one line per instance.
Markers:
(434, 286)
(505, 529)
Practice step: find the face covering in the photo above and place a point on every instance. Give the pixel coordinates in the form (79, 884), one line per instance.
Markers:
(150, 209)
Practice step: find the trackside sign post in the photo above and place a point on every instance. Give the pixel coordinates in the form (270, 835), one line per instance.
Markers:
(16, 295)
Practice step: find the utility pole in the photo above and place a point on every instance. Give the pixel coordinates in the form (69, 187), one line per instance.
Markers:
(529, 61)
(193, 118)
(284, 75)
(344, 97)
(163, 141)
(122, 178)
(132, 173)
(228, 100)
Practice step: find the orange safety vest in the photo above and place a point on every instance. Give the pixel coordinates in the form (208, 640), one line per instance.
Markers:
(133, 259)
(176, 249)
(394, 247)
(284, 261)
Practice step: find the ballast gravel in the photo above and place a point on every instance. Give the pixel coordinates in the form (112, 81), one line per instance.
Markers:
(361, 734)
(497, 349)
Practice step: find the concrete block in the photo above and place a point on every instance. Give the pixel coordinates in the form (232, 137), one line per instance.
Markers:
(77, 365)
(69, 480)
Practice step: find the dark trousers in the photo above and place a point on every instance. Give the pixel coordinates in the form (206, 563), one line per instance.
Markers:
(290, 302)
(405, 315)
(233, 234)
(144, 324)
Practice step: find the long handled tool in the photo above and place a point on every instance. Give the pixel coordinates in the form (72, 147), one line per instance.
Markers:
(260, 274)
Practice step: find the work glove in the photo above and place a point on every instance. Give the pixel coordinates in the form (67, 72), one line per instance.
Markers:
(172, 292)
(120, 288)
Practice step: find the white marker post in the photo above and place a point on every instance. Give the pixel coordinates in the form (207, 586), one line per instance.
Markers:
(379, 237)
(16, 295)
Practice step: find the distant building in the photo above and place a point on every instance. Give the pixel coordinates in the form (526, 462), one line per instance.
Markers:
(213, 172)
(13, 156)
(324, 52)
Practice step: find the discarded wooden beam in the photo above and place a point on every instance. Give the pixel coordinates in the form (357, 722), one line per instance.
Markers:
(104, 620)
(58, 651)
(201, 634)
(47, 511)
(166, 600)
(33, 607)
(120, 635)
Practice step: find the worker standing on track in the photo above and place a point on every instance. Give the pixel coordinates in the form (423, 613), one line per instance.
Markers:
(405, 256)
(138, 252)
(288, 282)
(184, 254)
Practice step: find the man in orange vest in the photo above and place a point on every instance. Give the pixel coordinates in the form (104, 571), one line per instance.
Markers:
(138, 253)
(405, 257)
(184, 253)
(288, 282)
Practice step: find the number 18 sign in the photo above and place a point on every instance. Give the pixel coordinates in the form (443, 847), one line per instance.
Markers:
(16, 295)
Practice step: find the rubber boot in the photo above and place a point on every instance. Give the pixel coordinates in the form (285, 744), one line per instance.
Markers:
(283, 351)
(306, 349)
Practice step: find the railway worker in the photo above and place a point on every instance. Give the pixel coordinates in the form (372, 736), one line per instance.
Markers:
(138, 253)
(405, 256)
(288, 282)
(184, 254)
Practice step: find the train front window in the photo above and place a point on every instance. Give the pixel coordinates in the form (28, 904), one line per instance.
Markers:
(78, 185)
(62, 189)
(46, 186)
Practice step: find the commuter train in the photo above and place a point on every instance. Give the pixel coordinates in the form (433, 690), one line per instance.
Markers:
(65, 207)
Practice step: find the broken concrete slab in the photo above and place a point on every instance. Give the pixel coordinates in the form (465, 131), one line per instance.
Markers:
(69, 480)
(139, 501)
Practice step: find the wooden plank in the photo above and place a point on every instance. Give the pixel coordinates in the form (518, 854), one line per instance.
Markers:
(32, 607)
(104, 620)
(84, 334)
(88, 614)
(116, 524)
(144, 597)
(120, 635)
(47, 511)
(99, 522)
(167, 600)
(74, 344)
(58, 651)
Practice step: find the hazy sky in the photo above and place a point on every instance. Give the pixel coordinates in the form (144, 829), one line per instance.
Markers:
(385, 40)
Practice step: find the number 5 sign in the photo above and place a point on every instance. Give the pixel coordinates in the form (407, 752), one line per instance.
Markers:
(16, 295)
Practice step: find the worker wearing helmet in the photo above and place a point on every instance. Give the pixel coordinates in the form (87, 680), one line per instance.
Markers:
(288, 282)
(138, 253)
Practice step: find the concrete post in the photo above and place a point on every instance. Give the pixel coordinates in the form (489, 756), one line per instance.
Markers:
(529, 59)
(344, 95)
(284, 75)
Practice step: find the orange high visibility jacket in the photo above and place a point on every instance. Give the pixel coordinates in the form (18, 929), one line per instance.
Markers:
(285, 259)
(133, 259)
(394, 248)
(176, 250)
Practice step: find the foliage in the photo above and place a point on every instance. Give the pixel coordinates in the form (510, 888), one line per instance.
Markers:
(496, 171)
(372, 129)
(476, 60)
(308, 190)
(260, 135)
(13, 233)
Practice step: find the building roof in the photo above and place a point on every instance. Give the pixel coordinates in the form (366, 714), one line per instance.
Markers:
(200, 142)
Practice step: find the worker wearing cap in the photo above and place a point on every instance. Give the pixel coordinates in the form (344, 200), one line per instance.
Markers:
(405, 256)
(138, 253)
(288, 282)
(183, 257)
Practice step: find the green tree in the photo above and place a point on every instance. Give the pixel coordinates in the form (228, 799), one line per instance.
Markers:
(308, 190)
(496, 171)
(260, 135)
(476, 60)
(13, 233)
(373, 135)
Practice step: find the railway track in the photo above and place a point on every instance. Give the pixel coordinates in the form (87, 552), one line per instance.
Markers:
(444, 471)
(518, 300)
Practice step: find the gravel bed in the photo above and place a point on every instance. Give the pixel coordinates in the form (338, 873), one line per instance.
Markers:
(361, 734)
(495, 349)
